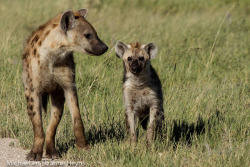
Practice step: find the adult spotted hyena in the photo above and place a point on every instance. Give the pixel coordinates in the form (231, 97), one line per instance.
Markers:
(141, 89)
(49, 69)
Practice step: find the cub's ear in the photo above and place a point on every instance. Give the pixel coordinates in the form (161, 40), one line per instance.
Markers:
(67, 21)
(83, 12)
(151, 49)
(120, 49)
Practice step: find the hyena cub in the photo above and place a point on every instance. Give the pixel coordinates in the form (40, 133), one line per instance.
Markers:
(141, 89)
(49, 70)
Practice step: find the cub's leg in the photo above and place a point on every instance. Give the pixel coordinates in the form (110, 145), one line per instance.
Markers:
(34, 111)
(156, 118)
(131, 122)
(57, 99)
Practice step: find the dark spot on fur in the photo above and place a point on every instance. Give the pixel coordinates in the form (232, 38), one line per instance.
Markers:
(34, 40)
(46, 34)
(35, 51)
(27, 98)
(40, 43)
(31, 99)
(31, 107)
(25, 54)
(41, 28)
(54, 25)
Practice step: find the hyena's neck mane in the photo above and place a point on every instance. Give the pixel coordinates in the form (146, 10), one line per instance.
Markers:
(42, 38)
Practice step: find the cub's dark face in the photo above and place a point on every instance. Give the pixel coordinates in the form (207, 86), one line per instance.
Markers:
(135, 56)
(135, 60)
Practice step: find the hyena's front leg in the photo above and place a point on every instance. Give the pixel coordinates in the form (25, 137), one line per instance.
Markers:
(57, 99)
(131, 122)
(34, 111)
(72, 101)
(156, 118)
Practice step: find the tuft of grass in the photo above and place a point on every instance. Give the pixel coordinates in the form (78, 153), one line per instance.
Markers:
(206, 93)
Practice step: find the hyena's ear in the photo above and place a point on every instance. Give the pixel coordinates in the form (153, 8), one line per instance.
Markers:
(151, 49)
(83, 12)
(120, 49)
(67, 21)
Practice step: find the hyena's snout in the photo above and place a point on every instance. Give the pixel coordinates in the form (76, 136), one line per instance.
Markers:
(135, 67)
(104, 48)
(100, 48)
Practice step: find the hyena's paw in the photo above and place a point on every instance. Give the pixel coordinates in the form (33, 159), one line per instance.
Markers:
(52, 154)
(34, 156)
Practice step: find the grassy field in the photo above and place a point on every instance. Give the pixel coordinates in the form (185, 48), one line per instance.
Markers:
(203, 63)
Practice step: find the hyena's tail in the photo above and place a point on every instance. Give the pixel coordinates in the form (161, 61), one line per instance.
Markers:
(45, 98)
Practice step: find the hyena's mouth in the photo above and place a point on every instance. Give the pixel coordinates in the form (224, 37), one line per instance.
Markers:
(135, 70)
(97, 51)
(89, 51)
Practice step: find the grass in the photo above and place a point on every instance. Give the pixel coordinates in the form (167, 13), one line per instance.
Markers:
(203, 63)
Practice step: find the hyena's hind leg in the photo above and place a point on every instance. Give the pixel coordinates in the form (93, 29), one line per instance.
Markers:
(57, 99)
(35, 114)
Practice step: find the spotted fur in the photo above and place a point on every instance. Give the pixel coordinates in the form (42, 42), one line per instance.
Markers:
(49, 70)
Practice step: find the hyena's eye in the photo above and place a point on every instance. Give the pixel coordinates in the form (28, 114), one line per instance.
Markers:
(141, 58)
(88, 36)
(129, 58)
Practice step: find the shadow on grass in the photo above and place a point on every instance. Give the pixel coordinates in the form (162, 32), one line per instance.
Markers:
(181, 131)
(112, 130)
(184, 132)
(63, 147)
(97, 134)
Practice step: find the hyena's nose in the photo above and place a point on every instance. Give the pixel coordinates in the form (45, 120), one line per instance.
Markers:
(105, 48)
(135, 66)
(135, 63)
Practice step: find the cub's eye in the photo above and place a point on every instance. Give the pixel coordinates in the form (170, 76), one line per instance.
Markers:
(129, 58)
(141, 58)
(88, 36)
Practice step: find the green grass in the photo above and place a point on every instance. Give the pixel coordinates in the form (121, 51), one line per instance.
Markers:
(203, 63)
